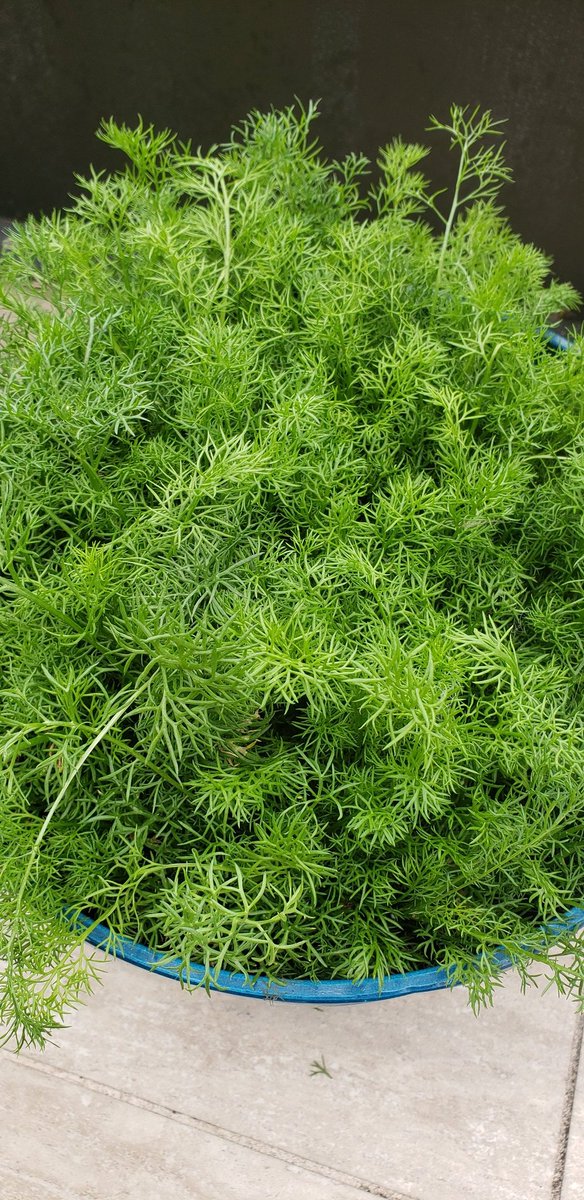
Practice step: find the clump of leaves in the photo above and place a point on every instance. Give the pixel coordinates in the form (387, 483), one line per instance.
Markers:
(291, 553)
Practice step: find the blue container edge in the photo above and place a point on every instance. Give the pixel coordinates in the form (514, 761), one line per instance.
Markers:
(296, 991)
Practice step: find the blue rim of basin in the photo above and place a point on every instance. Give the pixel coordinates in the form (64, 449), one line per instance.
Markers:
(557, 340)
(298, 991)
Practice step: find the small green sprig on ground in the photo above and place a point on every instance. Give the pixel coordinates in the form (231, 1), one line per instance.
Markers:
(291, 571)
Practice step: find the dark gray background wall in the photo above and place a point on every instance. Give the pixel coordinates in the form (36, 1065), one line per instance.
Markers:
(380, 67)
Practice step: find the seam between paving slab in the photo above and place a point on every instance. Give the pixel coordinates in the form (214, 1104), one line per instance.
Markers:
(568, 1109)
(208, 1127)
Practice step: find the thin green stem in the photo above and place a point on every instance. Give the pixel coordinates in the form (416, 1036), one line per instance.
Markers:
(55, 805)
(227, 246)
(462, 166)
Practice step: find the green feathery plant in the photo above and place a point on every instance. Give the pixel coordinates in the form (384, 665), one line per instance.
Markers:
(291, 572)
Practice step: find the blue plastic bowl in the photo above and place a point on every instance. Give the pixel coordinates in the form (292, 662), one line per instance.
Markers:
(297, 991)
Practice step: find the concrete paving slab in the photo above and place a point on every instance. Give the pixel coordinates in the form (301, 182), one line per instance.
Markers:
(422, 1098)
(62, 1141)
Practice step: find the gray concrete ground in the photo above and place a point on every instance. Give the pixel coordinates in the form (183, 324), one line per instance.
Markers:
(156, 1093)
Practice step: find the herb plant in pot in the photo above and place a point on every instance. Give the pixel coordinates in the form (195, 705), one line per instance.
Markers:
(291, 577)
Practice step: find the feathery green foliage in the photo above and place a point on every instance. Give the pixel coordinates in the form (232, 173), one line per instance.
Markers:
(290, 580)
